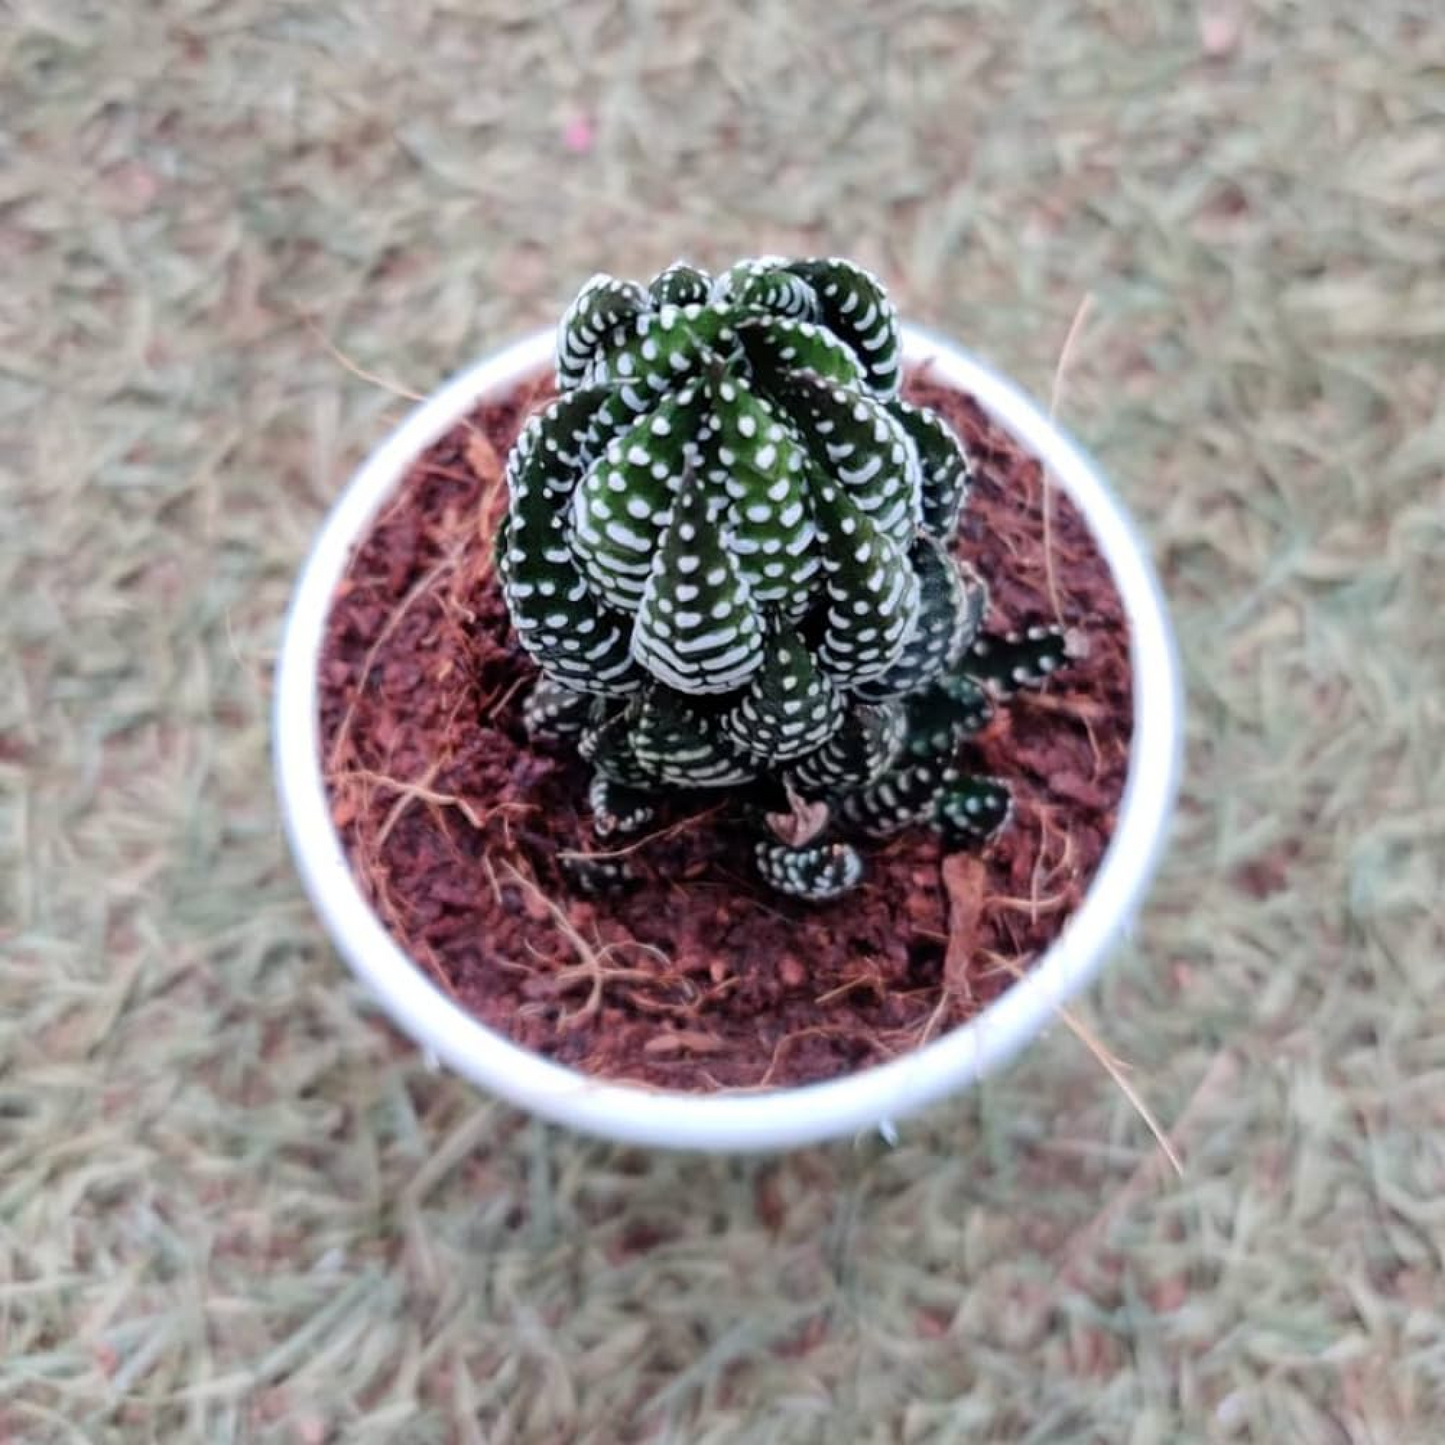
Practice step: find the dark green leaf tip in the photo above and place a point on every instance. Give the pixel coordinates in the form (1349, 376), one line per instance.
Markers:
(817, 872)
(617, 809)
(1009, 661)
(972, 811)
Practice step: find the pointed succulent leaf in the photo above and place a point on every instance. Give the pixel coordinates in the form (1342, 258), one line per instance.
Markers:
(681, 747)
(853, 304)
(565, 630)
(601, 306)
(972, 810)
(789, 707)
(611, 418)
(951, 603)
(767, 285)
(1016, 659)
(816, 872)
(903, 795)
(975, 605)
(606, 742)
(617, 809)
(657, 352)
(856, 440)
(776, 346)
(551, 452)
(944, 464)
(573, 636)
(553, 712)
(865, 744)
(594, 877)
(756, 460)
(680, 285)
(870, 593)
(620, 510)
(942, 717)
(697, 629)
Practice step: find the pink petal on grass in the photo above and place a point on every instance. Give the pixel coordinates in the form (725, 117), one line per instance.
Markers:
(578, 135)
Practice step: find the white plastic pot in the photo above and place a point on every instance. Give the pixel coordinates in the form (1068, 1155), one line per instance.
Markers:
(742, 1120)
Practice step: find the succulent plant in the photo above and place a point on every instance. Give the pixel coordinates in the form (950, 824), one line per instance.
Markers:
(728, 548)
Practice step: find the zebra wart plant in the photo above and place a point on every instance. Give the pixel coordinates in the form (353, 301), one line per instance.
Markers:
(728, 548)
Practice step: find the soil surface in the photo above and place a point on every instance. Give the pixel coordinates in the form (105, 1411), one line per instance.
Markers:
(698, 977)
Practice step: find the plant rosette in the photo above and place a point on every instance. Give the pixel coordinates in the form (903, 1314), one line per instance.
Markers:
(732, 721)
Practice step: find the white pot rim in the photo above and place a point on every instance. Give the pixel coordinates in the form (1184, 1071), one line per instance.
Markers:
(730, 1120)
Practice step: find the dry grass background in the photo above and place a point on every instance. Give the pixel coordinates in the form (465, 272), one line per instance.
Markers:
(234, 1208)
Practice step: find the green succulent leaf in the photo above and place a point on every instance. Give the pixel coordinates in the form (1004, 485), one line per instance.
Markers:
(777, 348)
(657, 352)
(607, 742)
(902, 796)
(942, 717)
(944, 464)
(766, 284)
(817, 872)
(624, 503)
(972, 811)
(553, 449)
(681, 285)
(595, 877)
(570, 633)
(789, 707)
(854, 306)
(857, 443)
(865, 744)
(697, 628)
(681, 747)
(1017, 659)
(871, 594)
(553, 712)
(602, 305)
(754, 458)
(617, 809)
(610, 418)
(952, 599)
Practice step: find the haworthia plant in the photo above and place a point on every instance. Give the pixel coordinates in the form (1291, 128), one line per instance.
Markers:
(728, 548)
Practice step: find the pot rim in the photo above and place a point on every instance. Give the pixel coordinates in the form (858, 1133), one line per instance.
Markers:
(730, 1120)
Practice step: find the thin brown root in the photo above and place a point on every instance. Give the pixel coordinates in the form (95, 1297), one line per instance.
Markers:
(1068, 703)
(491, 706)
(314, 327)
(788, 1040)
(1066, 354)
(1115, 1068)
(671, 831)
(933, 1020)
(1033, 906)
(1220, 1075)
(862, 980)
(409, 793)
(592, 965)
(419, 791)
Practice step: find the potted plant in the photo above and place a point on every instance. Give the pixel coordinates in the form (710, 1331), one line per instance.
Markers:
(648, 737)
